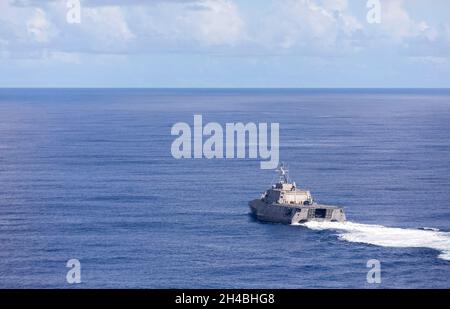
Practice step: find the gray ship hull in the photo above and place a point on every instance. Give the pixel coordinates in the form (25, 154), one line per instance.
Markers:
(292, 214)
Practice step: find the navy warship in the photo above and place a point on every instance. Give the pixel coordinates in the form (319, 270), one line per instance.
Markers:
(285, 203)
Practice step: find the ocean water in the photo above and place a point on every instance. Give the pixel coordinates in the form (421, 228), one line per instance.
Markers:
(88, 174)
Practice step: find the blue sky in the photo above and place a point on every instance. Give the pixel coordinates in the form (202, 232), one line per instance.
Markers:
(225, 43)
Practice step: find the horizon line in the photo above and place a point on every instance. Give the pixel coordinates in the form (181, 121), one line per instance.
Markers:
(234, 88)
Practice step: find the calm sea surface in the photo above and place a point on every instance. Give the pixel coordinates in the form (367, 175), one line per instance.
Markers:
(88, 174)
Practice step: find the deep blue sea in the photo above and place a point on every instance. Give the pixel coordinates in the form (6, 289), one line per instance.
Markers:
(88, 174)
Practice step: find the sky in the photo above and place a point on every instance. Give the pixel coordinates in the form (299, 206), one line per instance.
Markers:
(225, 44)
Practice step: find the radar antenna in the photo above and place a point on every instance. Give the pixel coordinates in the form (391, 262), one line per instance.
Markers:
(283, 173)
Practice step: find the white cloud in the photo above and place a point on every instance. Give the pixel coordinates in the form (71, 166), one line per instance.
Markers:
(308, 23)
(336, 5)
(106, 24)
(214, 22)
(398, 23)
(207, 23)
(300, 27)
(109, 26)
(39, 28)
(429, 59)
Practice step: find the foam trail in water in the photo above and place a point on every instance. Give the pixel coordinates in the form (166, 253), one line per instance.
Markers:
(387, 236)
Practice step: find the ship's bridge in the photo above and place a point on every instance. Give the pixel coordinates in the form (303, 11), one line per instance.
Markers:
(286, 193)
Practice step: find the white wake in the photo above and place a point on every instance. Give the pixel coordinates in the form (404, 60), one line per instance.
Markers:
(388, 236)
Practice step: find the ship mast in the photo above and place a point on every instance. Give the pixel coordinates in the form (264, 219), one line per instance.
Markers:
(283, 173)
